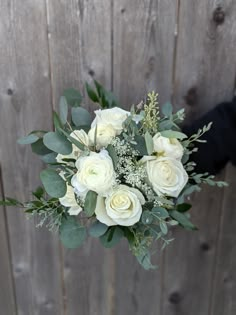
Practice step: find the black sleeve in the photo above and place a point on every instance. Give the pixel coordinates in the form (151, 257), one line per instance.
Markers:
(221, 139)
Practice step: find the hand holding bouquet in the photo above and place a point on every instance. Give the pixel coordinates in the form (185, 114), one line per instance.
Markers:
(123, 174)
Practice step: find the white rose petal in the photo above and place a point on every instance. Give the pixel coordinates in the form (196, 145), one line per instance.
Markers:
(95, 172)
(113, 116)
(104, 136)
(82, 137)
(69, 201)
(122, 207)
(101, 213)
(167, 176)
(170, 147)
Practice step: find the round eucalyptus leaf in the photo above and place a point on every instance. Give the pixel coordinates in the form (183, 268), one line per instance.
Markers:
(53, 183)
(72, 234)
(57, 143)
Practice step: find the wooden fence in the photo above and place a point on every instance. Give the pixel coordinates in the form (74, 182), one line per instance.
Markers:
(185, 49)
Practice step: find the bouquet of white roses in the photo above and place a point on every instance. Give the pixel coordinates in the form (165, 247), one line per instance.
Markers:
(123, 174)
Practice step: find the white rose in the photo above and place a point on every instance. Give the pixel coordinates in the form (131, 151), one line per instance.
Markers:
(105, 133)
(167, 176)
(170, 147)
(82, 137)
(95, 172)
(123, 206)
(69, 201)
(113, 116)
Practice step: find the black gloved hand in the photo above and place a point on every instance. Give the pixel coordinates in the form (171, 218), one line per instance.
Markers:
(221, 139)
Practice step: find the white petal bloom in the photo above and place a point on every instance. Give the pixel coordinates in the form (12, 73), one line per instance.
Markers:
(112, 116)
(82, 137)
(95, 172)
(104, 136)
(170, 147)
(167, 176)
(69, 201)
(123, 207)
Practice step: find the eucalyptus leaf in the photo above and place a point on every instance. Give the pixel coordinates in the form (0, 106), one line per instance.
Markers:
(97, 229)
(31, 138)
(141, 145)
(161, 212)
(39, 148)
(147, 217)
(77, 143)
(63, 109)
(182, 219)
(80, 116)
(149, 143)
(91, 93)
(167, 109)
(112, 236)
(72, 234)
(145, 261)
(73, 97)
(112, 152)
(163, 227)
(53, 183)
(57, 143)
(90, 203)
(173, 134)
(49, 158)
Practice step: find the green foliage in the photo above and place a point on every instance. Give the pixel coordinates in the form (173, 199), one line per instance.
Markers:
(140, 145)
(112, 236)
(80, 116)
(112, 152)
(72, 234)
(182, 219)
(57, 142)
(183, 207)
(100, 95)
(173, 134)
(10, 202)
(97, 229)
(63, 110)
(90, 203)
(149, 143)
(31, 138)
(167, 109)
(73, 97)
(39, 148)
(77, 143)
(53, 183)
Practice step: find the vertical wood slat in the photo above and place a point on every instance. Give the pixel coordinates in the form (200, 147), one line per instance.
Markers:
(7, 295)
(25, 99)
(143, 61)
(206, 62)
(224, 284)
(80, 49)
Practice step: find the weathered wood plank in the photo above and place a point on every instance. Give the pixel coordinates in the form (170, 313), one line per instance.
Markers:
(224, 285)
(143, 55)
(25, 100)
(7, 294)
(205, 62)
(143, 49)
(205, 55)
(80, 49)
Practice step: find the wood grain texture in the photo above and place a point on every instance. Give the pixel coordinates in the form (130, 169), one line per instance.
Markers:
(143, 49)
(205, 61)
(25, 105)
(143, 61)
(80, 49)
(7, 294)
(206, 64)
(224, 284)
